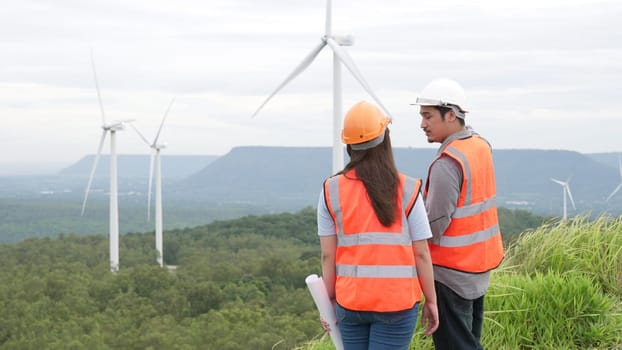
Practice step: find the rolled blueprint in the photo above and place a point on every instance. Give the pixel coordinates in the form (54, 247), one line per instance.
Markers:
(325, 307)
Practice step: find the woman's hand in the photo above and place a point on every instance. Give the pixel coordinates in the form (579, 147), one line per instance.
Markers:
(429, 317)
(325, 325)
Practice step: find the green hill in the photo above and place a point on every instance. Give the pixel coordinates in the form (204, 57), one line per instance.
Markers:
(558, 288)
(238, 284)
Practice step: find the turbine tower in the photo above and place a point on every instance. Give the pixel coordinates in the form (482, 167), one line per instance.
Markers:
(566, 192)
(155, 154)
(620, 184)
(340, 56)
(114, 203)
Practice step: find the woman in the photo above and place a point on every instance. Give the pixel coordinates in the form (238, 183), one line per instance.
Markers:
(373, 228)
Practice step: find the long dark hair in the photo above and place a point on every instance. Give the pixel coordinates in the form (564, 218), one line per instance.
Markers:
(376, 168)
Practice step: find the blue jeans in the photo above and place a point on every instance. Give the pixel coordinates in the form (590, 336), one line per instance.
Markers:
(366, 330)
(460, 320)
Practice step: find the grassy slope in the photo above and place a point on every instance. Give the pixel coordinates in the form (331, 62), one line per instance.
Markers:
(560, 287)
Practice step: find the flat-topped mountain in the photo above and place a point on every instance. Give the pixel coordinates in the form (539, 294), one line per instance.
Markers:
(294, 175)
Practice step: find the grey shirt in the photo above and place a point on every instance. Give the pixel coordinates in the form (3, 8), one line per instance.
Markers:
(445, 181)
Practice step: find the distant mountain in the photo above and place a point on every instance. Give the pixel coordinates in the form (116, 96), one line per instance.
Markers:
(528, 173)
(273, 175)
(30, 169)
(608, 158)
(291, 177)
(276, 179)
(137, 166)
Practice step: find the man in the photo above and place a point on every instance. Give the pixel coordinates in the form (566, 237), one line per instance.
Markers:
(460, 201)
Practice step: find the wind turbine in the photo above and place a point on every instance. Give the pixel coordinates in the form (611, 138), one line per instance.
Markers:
(114, 203)
(565, 191)
(340, 56)
(156, 147)
(620, 184)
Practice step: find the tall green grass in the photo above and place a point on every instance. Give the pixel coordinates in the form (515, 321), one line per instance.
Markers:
(550, 311)
(560, 287)
(579, 246)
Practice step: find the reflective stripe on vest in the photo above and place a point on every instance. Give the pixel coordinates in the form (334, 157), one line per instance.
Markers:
(465, 240)
(474, 209)
(373, 271)
(472, 241)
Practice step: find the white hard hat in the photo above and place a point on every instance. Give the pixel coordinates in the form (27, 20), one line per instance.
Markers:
(444, 93)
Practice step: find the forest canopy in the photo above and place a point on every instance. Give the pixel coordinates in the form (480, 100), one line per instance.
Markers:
(238, 284)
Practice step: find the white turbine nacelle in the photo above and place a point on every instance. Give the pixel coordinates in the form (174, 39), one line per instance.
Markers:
(340, 57)
(114, 127)
(117, 125)
(343, 40)
(159, 146)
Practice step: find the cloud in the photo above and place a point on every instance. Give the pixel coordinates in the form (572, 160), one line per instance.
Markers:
(529, 68)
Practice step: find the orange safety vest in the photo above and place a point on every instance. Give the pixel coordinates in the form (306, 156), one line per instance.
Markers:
(472, 241)
(375, 264)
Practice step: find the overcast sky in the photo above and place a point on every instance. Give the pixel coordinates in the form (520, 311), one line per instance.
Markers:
(543, 74)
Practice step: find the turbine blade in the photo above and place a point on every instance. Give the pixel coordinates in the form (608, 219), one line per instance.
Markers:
(88, 186)
(349, 63)
(155, 141)
(150, 186)
(614, 192)
(299, 69)
(620, 165)
(329, 18)
(99, 97)
(140, 134)
(570, 196)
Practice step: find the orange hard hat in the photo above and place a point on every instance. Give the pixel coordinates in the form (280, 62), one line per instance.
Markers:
(364, 122)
